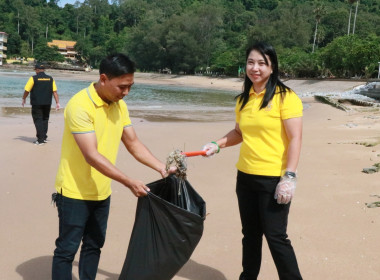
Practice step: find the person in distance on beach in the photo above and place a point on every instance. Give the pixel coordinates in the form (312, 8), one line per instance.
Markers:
(96, 120)
(269, 126)
(42, 88)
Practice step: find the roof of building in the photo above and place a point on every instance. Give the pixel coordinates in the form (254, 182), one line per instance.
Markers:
(62, 44)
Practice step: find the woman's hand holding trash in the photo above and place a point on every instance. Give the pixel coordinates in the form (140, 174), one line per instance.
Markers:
(211, 149)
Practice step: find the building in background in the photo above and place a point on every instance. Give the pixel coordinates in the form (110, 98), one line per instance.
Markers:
(66, 48)
(3, 48)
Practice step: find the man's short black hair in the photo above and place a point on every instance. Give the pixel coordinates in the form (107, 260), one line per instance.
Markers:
(116, 65)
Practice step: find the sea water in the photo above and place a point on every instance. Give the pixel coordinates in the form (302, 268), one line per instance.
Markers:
(151, 102)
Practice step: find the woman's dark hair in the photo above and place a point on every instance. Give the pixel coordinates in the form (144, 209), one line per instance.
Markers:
(116, 65)
(265, 50)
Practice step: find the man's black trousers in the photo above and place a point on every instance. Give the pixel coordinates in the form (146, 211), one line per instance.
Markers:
(41, 114)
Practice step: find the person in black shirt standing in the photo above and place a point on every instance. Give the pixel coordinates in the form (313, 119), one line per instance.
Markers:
(42, 88)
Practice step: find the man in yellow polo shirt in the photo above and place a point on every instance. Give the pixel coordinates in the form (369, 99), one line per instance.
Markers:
(96, 120)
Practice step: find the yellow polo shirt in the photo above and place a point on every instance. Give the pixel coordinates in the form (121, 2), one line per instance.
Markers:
(29, 85)
(86, 112)
(265, 143)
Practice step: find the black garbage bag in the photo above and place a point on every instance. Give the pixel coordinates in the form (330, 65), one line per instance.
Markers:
(168, 227)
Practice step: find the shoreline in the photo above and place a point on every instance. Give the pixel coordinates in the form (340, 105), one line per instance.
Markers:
(304, 88)
(299, 85)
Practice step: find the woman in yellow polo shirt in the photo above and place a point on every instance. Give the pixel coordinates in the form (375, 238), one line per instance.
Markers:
(269, 126)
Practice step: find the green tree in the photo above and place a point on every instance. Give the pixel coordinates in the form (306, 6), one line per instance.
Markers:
(99, 7)
(268, 4)
(168, 7)
(292, 26)
(356, 13)
(193, 36)
(319, 11)
(25, 50)
(351, 2)
(350, 56)
(47, 15)
(228, 62)
(45, 53)
(117, 42)
(250, 5)
(147, 42)
(83, 48)
(102, 31)
(83, 17)
(19, 6)
(296, 62)
(96, 55)
(334, 23)
(129, 13)
(206, 28)
(14, 44)
(287, 26)
(185, 35)
(33, 25)
(183, 51)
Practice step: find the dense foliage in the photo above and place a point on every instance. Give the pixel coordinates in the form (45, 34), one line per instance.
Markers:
(313, 38)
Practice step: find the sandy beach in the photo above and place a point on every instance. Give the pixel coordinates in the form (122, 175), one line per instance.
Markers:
(334, 233)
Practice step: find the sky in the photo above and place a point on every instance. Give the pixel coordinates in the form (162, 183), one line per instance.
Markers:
(62, 3)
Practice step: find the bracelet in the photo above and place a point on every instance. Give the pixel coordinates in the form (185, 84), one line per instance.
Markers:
(217, 146)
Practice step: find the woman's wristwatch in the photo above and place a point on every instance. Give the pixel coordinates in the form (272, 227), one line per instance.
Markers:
(291, 175)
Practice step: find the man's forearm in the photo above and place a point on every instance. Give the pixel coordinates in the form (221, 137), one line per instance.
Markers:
(142, 154)
(56, 98)
(26, 93)
(104, 166)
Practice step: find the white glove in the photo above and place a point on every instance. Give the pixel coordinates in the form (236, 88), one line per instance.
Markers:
(285, 190)
(211, 149)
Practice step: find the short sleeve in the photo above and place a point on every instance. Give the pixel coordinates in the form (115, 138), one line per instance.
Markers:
(54, 86)
(125, 114)
(237, 110)
(291, 106)
(78, 119)
(29, 85)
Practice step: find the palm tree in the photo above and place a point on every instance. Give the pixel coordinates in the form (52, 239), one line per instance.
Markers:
(351, 2)
(318, 11)
(356, 12)
(18, 5)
